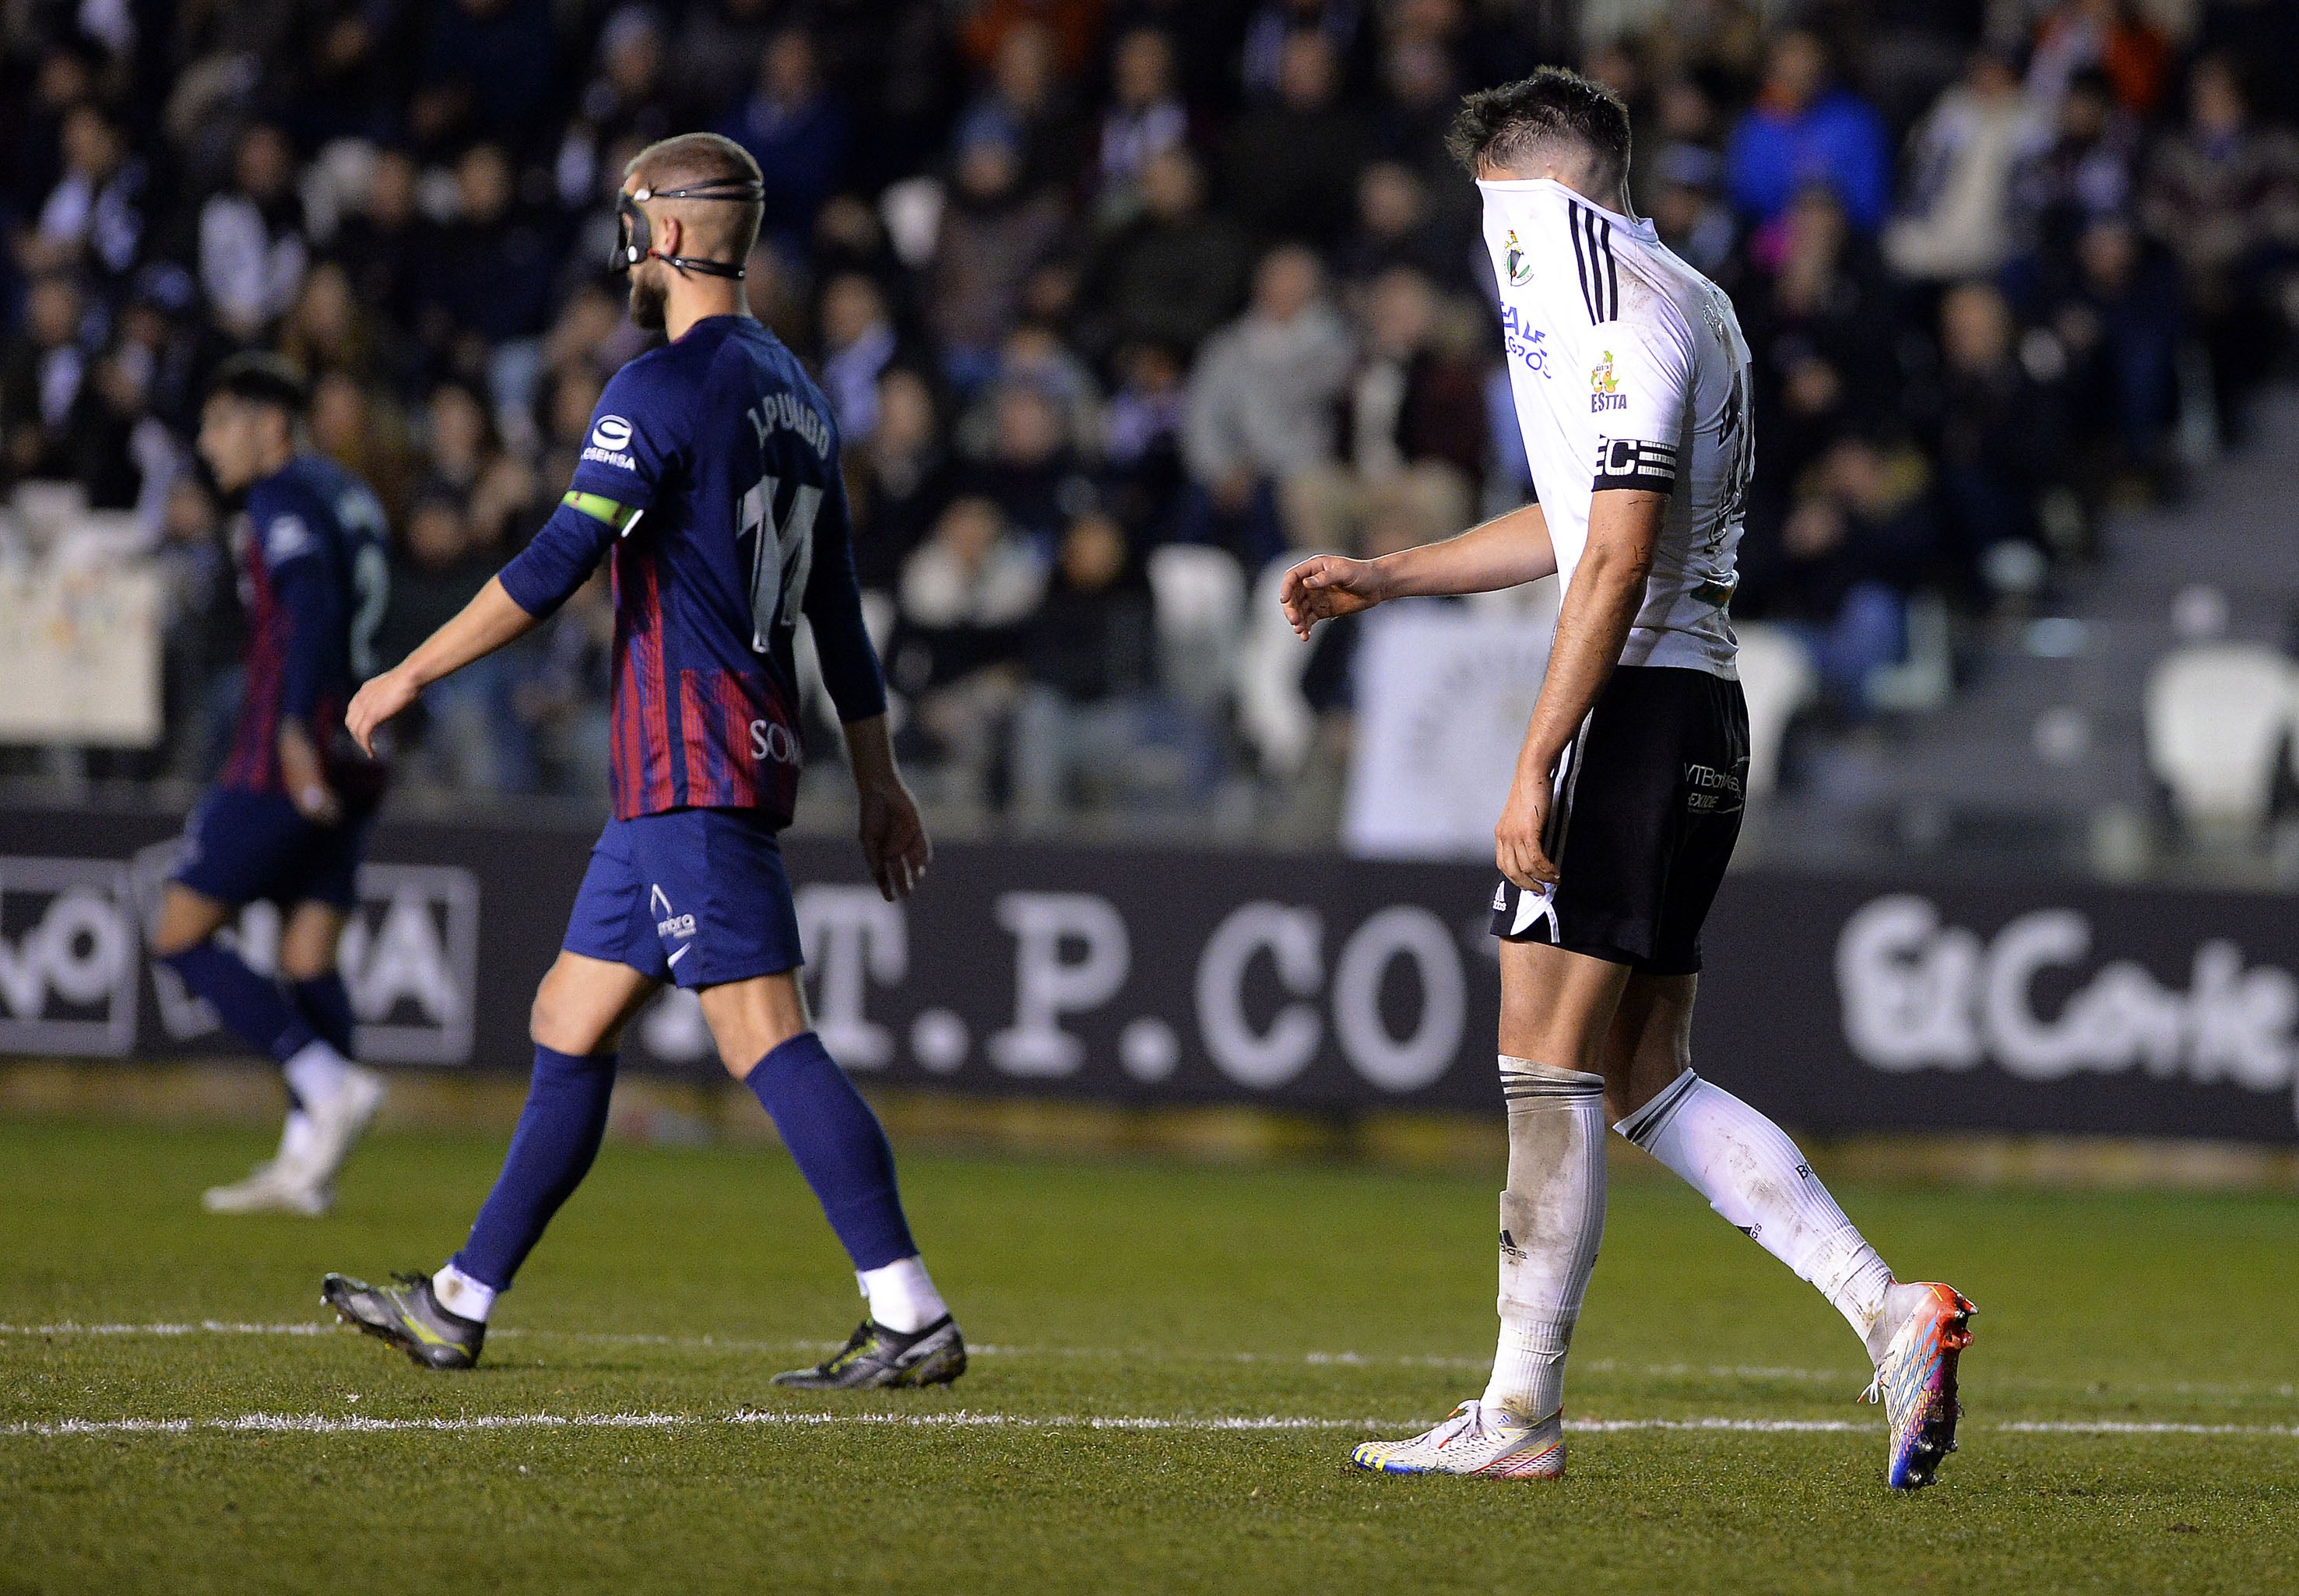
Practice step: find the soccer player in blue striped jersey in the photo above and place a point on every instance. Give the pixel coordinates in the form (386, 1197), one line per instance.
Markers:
(710, 482)
(286, 819)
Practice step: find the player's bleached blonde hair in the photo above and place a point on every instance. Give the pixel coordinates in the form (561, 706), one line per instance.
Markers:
(723, 229)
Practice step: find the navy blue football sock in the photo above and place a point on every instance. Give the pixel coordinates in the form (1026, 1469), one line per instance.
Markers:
(550, 1151)
(252, 1006)
(840, 1147)
(326, 1007)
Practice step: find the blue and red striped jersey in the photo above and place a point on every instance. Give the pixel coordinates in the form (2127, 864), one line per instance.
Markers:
(725, 448)
(314, 580)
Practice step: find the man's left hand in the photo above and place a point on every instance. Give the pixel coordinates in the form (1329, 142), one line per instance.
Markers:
(894, 842)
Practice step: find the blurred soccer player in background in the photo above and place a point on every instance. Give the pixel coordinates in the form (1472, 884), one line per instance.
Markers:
(1630, 378)
(286, 821)
(711, 472)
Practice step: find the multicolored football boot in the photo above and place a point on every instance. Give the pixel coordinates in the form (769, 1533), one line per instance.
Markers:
(875, 1358)
(1474, 1439)
(409, 1316)
(1916, 1382)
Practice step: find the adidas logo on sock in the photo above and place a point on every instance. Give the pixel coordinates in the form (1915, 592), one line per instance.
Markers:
(1510, 1249)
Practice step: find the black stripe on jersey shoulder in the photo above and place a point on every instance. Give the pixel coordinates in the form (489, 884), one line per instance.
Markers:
(1573, 214)
(1592, 256)
(1612, 295)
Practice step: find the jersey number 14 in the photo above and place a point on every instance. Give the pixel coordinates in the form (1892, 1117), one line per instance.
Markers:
(782, 554)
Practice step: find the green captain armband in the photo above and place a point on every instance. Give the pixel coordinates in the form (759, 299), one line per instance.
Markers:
(601, 508)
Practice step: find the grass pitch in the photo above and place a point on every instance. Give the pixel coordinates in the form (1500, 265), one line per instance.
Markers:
(174, 1416)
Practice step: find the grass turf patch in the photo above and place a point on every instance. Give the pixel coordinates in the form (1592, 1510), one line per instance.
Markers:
(1321, 1299)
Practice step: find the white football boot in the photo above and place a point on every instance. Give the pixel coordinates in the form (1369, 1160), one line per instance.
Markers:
(300, 1178)
(1474, 1439)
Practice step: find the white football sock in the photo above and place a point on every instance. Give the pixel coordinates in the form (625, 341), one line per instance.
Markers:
(317, 1072)
(463, 1296)
(298, 1139)
(903, 1295)
(1753, 1174)
(1552, 1219)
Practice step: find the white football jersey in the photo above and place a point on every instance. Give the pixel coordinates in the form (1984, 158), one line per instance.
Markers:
(1629, 371)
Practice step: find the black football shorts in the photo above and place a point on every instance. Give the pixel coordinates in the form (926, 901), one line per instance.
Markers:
(1647, 806)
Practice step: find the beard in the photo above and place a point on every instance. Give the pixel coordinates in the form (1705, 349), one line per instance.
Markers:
(650, 302)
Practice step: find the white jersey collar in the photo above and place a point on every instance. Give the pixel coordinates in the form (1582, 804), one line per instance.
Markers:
(1556, 193)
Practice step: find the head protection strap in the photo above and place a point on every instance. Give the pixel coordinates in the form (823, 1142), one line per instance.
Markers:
(634, 239)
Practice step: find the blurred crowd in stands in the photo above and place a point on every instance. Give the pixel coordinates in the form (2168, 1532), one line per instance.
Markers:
(1119, 303)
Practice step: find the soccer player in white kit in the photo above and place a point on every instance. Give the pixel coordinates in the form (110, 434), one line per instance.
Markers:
(1631, 379)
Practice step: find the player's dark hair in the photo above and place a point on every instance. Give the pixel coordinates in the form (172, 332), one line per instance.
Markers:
(257, 377)
(688, 160)
(1557, 109)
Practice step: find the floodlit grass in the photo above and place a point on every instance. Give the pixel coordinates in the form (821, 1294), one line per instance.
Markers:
(677, 1281)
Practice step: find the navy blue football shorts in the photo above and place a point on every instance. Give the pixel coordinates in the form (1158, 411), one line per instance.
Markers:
(697, 896)
(242, 847)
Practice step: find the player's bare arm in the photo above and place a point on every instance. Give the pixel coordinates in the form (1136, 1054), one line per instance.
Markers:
(894, 843)
(1505, 551)
(490, 620)
(1591, 626)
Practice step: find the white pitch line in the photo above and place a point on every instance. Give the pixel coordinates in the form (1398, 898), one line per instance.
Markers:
(1591, 1365)
(320, 1424)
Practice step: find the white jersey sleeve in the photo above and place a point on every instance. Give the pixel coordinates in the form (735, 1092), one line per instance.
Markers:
(1640, 382)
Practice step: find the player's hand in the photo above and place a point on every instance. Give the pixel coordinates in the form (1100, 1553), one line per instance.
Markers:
(894, 843)
(1516, 839)
(305, 775)
(1325, 585)
(381, 698)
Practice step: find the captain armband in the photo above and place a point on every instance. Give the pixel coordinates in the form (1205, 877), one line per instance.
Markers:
(1637, 463)
(622, 518)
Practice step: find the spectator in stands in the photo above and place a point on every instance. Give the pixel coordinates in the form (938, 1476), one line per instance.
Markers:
(468, 464)
(485, 70)
(858, 342)
(487, 279)
(1805, 128)
(2110, 36)
(1956, 221)
(2119, 321)
(95, 215)
(472, 737)
(2000, 442)
(1394, 227)
(968, 595)
(798, 129)
(1173, 273)
(1031, 473)
(251, 250)
(2223, 195)
(1027, 107)
(898, 480)
(1143, 476)
(1145, 119)
(2086, 172)
(1087, 710)
(1684, 181)
(1413, 405)
(1816, 327)
(385, 242)
(1290, 168)
(40, 376)
(993, 235)
(1261, 406)
(627, 105)
(1860, 536)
